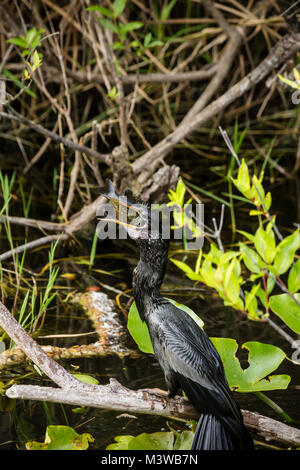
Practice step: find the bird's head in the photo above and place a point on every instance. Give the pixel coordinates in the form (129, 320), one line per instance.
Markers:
(142, 226)
(134, 217)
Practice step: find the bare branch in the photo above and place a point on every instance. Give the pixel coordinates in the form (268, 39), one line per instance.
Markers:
(105, 158)
(149, 401)
(282, 51)
(32, 349)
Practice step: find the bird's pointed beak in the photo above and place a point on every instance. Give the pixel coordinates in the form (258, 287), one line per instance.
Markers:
(133, 217)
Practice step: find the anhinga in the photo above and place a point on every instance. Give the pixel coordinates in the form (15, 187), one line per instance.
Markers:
(185, 353)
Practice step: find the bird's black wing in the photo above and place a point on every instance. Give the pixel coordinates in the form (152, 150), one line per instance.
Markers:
(197, 365)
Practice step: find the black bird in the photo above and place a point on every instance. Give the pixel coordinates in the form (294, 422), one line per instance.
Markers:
(185, 353)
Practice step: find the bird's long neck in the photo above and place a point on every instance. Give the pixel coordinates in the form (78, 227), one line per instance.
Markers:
(149, 274)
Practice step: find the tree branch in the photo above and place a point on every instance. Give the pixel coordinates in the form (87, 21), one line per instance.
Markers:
(33, 350)
(115, 396)
(281, 52)
(78, 220)
(105, 158)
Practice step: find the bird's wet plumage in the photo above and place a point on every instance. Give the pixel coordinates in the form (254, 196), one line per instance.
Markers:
(186, 355)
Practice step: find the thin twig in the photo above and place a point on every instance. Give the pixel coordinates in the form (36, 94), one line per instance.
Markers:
(105, 158)
(285, 48)
(33, 244)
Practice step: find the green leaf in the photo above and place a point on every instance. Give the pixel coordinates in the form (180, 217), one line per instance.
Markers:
(147, 39)
(251, 302)
(257, 191)
(88, 379)
(264, 241)
(263, 359)
(231, 283)
(251, 259)
(268, 201)
(286, 251)
(294, 278)
(255, 212)
(156, 42)
(154, 441)
(131, 26)
(31, 35)
(139, 330)
(17, 42)
(167, 10)
(187, 270)
(121, 443)
(247, 235)
(243, 178)
(113, 93)
(104, 11)
(184, 440)
(62, 438)
(287, 309)
(118, 7)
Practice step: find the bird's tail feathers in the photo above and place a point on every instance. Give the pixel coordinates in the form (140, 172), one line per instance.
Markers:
(213, 434)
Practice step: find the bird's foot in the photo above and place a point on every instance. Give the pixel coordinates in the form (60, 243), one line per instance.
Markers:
(165, 401)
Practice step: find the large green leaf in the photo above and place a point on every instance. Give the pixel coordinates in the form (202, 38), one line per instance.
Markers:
(118, 7)
(139, 330)
(263, 359)
(287, 309)
(286, 251)
(251, 259)
(62, 438)
(264, 241)
(154, 441)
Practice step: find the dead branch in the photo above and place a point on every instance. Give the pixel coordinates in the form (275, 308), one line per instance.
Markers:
(225, 62)
(132, 79)
(33, 244)
(79, 220)
(281, 52)
(105, 158)
(34, 223)
(116, 397)
(33, 350)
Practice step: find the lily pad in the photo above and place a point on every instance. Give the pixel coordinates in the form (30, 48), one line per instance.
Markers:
(62, 438)
(263, 359)
(154, 441)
